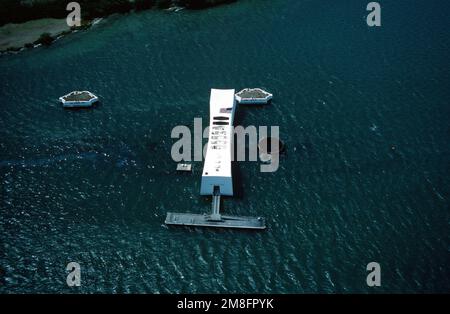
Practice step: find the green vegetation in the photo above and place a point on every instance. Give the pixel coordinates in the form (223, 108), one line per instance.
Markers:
(75, 96)
(45, 39)
(26, 10)
(13, 49)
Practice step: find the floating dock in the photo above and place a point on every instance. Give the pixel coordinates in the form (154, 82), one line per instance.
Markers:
(184, 167)
(217, 178)
(215, 219)
(199, 220)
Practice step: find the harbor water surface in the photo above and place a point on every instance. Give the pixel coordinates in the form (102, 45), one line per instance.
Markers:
(363, 112)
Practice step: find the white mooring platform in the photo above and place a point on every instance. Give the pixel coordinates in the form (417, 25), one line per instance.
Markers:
(253, 96)
(78, 99)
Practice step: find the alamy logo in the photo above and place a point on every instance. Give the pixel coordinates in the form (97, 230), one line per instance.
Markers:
(74, 277)
(188, 147)
(74, 17)
(374, 277)
(374, 17)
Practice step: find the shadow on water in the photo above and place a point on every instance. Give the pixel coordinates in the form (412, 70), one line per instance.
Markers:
(238, 188)
(240, 116)
(104, 150)
(95, 106)
(213, 230)
(48, 160)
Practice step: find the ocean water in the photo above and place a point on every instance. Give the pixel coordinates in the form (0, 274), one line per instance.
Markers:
(363, 111)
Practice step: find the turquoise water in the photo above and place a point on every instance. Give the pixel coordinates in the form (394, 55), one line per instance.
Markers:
(364, 113)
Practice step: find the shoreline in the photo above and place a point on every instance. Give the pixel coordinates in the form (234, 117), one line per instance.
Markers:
(28, 10)
(44, 30)
(15, 38)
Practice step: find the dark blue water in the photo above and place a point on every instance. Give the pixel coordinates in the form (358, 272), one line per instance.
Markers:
(364, 113)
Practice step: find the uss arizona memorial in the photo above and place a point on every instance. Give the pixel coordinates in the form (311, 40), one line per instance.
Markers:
(217, 177)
